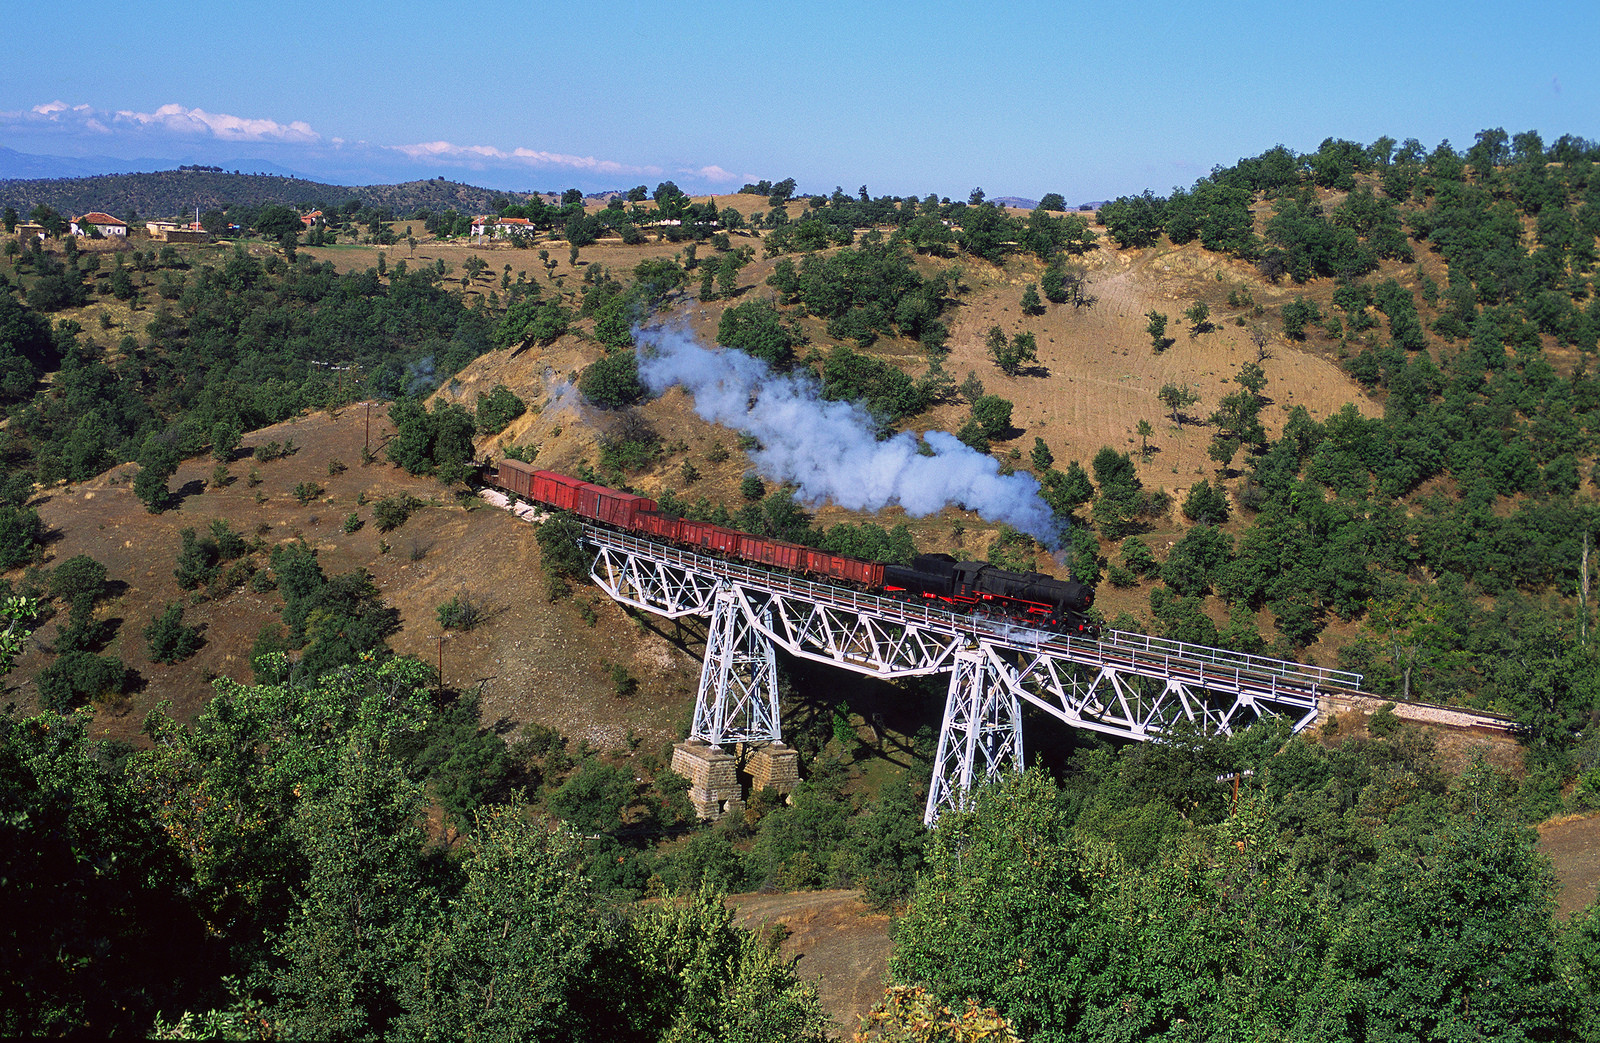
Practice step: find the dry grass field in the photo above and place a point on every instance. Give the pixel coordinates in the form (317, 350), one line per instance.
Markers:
(535, 661)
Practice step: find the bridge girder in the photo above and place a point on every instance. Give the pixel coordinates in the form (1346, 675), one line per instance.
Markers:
(1129, 685)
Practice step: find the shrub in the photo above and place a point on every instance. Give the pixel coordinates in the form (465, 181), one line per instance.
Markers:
(79, 677)
(197, 560)
(623, 683)
(391, 512)
(497, 409)
(21, 535)
(460, 613)
(1384, 722)
(169, 639)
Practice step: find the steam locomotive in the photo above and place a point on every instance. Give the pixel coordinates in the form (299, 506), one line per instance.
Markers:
(1029, 598)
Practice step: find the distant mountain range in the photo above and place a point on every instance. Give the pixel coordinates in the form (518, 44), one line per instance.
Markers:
(171, 193)
(1019, 203)
(24, 166)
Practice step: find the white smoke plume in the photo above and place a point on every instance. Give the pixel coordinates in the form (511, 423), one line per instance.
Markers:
(829, 450)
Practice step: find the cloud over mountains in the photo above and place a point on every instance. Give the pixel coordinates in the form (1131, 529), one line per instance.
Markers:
(182, 133)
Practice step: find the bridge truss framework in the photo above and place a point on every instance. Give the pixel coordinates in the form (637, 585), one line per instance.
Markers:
(1124, 684)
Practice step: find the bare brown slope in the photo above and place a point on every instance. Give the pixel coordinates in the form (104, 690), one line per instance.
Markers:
(536, 661)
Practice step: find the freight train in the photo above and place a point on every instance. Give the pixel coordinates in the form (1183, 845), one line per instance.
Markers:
(1030, 598)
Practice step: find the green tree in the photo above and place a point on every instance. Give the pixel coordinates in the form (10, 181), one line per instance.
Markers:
(1206, 504)
(1041, 458)
(80, 581)
(1066, 491)
(158, 462)
(224, 440)
(169, 639)
(1121, 505)
(1031, 304)
(77, 678)
(1196, 560)
(497, 409)
(1157, 329)
(19, 614)
(108, 935)
(613, 380)
(367, 902)
(1007, 910)
(21, 535)
(1297, 315)
(1009, 355)
(694, 975)
(757, 328)
(275, 221)
(993, 416)
(561, 554)
(515, 955)
(1086, 561)
(1480, 895)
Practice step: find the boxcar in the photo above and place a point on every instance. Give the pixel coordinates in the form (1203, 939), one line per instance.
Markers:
(558, 490)
(515, 476)
(616, 508)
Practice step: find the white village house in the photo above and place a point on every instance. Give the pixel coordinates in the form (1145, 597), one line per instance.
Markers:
(502, 226)
(105, 224)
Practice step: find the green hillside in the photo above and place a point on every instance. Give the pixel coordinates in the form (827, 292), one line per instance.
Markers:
(165, 193)
(1377, 364)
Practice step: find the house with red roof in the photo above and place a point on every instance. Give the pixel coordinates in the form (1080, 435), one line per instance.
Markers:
(502, 226)
(104, 224)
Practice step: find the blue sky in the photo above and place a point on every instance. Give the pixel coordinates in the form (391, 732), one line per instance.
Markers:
(1092, 100)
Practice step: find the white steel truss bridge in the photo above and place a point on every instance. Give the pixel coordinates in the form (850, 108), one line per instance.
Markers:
(1123, 684)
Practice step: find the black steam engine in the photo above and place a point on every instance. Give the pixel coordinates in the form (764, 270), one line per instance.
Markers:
(1031, 598)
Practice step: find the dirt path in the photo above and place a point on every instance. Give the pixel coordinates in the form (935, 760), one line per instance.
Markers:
(1573, 844)
(842, 944)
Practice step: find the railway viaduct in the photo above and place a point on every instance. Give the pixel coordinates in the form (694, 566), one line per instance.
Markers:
(1125, 684)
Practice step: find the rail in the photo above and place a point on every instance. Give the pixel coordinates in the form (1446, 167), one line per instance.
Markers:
(1235, 670)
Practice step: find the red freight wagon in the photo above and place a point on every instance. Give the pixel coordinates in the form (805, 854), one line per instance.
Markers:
(708, 536)
(621, 509)
(817, 562)
(866, 573)
(771, 552)
(556, 489)
(589, 496)
(661, 526)
(515, 476)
